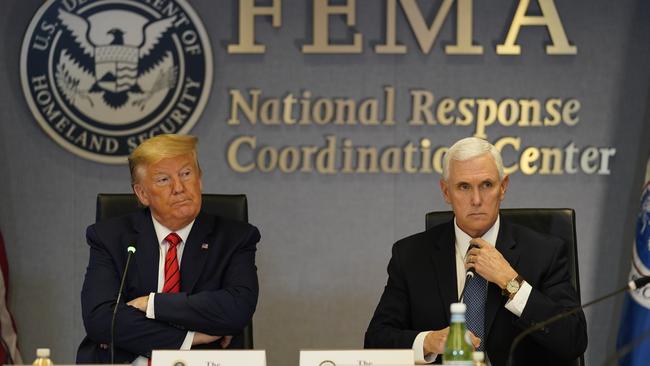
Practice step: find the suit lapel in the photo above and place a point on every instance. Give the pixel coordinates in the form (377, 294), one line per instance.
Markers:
(444, 260)
(147, 253)
(195, 252)
(507, 246)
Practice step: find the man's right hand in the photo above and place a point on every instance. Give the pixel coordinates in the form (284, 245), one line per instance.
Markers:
(436, 339)
(202, 338)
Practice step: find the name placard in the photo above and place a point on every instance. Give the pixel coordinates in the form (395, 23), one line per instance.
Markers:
(393, 357)
(208, 358)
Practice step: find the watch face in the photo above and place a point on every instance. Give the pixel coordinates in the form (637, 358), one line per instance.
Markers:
(512, 286)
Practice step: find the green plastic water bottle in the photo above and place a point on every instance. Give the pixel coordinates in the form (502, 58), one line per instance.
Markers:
(458, 349)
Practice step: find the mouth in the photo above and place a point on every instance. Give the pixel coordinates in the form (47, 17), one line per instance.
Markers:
(182, 202)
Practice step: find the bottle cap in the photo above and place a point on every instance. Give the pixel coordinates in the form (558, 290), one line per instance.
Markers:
(43, 352)
(478, 356)
(458, 307)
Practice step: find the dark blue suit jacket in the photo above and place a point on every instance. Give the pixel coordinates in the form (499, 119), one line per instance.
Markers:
(218, 293)
(422, 285)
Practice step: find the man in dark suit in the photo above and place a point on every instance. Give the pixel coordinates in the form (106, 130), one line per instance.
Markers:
(524, 274)
(192, 281)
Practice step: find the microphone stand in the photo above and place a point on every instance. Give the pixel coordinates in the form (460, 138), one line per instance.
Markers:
(131, 250)
(632, 285)
(628, 347)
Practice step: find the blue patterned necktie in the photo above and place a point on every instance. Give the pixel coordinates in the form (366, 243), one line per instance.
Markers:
(475, 298)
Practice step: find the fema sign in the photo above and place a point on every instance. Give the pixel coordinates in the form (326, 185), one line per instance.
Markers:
(102, 76)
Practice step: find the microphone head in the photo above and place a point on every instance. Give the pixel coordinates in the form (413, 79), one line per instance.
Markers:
(470, 273)
(639, 282)
(131, 249)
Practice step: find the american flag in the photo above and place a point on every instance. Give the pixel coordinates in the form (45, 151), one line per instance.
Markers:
(9, 353)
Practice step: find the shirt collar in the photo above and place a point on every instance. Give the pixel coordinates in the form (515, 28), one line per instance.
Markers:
(162, 231)
(462, 239)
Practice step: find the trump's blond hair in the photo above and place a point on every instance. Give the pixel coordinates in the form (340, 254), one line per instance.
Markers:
(158, 148)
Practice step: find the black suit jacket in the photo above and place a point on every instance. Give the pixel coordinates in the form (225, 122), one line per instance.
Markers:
(218, 293)
(422, 285)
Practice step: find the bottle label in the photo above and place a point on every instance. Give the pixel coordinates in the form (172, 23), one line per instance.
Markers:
(458, 318)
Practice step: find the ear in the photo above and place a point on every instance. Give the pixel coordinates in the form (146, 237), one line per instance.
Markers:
(141, 193)
(503, 187)
(444, 187)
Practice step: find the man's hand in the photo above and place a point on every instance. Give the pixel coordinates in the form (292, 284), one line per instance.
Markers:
(202, 338)
(476, 341)
(140, 303)
(489, 263)
(436, 339)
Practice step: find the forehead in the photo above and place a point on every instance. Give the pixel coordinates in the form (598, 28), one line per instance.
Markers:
(171, 165)
(479, 168)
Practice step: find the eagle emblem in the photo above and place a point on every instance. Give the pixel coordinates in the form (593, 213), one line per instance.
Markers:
(114, 68)
(101, 76)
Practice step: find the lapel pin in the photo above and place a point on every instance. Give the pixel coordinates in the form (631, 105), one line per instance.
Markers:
(204, 246)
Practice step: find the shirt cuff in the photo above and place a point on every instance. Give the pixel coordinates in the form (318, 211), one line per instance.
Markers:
(418, 350)
(187, 343)
(518, 302)
(151, 314)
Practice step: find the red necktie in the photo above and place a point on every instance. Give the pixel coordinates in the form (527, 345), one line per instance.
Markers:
(172, 271)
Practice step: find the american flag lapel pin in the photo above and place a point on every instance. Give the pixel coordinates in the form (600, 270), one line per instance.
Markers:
(204, 246)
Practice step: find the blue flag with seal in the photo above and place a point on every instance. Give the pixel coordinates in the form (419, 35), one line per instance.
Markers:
(634, 332)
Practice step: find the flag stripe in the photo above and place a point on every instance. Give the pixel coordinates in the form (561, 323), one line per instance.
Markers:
(7, 324)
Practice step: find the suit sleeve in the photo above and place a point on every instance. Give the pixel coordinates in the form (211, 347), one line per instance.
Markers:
(134, 332)
(225, 311)
(390, 325)
(553, 295)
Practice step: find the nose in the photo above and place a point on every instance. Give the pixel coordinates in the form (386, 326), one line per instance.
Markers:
(178, 186)
(476, 197)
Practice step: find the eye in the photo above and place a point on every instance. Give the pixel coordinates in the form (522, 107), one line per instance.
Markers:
(162, 180)
(186, 173)
(464, 187)
(488, 184)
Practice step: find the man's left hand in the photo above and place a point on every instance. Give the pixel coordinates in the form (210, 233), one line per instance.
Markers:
(489, 263)
(140, 303)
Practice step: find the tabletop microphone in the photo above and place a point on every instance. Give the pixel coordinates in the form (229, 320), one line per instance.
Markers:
(130, 250)
(632, 285)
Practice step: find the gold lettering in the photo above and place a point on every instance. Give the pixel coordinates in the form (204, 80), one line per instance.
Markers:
(239, 103)
(421, 105)
(426, 35)
(515, 142)
(247, 13)
(527, 160)
(233, 151)
(321, 42)
(549, 18)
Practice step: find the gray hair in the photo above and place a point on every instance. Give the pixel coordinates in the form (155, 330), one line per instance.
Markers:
(468, 148)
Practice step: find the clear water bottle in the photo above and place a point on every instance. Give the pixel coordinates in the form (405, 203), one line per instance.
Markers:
(43, 357)
(458, 349)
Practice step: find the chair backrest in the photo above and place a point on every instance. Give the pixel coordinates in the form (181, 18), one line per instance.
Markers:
(230, 206)
(558, 222)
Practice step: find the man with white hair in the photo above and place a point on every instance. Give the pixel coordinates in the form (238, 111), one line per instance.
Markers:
(521, 276)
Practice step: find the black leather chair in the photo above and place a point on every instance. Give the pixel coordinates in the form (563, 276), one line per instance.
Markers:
(230, 206)
(558, 222)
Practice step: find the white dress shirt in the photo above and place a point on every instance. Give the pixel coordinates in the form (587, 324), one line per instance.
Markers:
(163, 246)
(515, 305)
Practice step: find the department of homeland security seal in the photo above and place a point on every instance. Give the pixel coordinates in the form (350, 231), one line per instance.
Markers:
(100, 76)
